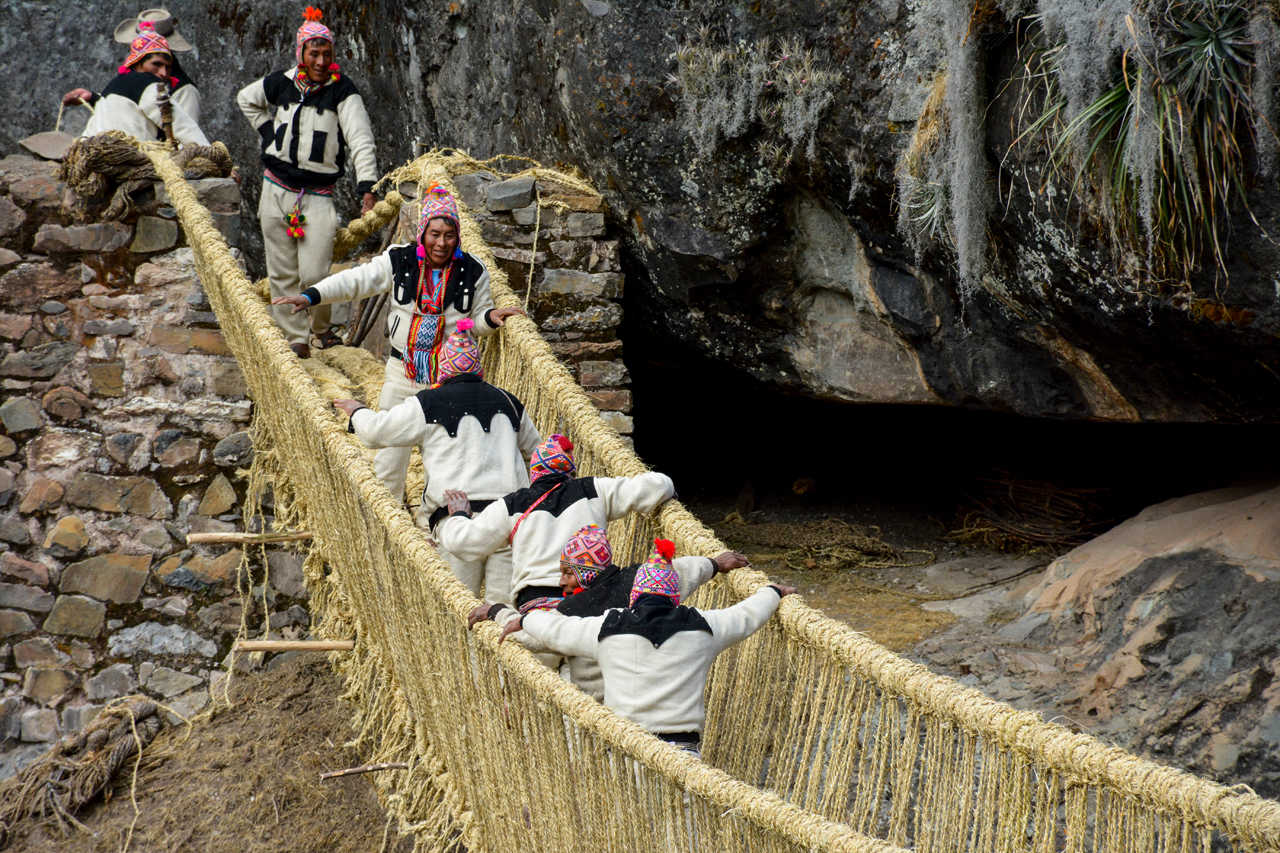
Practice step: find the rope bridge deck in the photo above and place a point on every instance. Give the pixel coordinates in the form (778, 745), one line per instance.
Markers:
(817, 738)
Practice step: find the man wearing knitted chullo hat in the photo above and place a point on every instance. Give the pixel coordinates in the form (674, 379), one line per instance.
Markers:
(310, 118)
(184, 92)
(434, 286)
(591, 585)
(473, 436)
(536, 522)
(655, 655)
(131, 102)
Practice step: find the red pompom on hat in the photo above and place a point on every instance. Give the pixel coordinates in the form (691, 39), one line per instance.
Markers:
(312, 29)
(656, 576)
(565, 444)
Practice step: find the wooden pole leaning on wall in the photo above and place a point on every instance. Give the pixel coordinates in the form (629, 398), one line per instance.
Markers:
(246, 538)
(294, 645)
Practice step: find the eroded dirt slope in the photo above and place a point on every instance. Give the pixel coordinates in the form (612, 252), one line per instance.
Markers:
(246, 781)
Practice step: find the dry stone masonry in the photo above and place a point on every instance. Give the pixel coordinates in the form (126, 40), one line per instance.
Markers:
(123, 422)
(123, 426)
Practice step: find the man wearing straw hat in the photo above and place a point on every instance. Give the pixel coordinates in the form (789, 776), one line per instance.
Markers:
(131, 103)
(473, 436)
(185, 94)
(655, 655)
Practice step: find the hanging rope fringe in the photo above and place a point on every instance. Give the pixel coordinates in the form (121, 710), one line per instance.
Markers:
(533, 250)
(816, 737)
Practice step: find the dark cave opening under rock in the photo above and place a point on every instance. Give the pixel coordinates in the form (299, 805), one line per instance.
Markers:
(714, 429)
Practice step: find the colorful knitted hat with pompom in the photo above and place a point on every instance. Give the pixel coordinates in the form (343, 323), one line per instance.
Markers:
(312, 29)
(459, 353)
(147, 41)
(656, 577)
(555, 455)
(589, 552)
(438, 204)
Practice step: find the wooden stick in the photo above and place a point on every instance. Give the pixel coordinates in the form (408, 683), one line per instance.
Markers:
(367, 768)
(247, 538)
(295, 645)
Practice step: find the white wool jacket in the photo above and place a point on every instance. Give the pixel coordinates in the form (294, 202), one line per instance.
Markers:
(585, 671)
(306, 139)
(563, 506)
(129, 104)
(396, 270)
(474, 437)
(188, 97)
(660, 689)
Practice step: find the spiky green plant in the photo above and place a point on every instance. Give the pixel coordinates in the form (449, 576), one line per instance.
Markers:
(928, 208)
(1165, 145)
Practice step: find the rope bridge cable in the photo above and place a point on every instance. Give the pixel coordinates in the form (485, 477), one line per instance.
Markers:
(814, 735)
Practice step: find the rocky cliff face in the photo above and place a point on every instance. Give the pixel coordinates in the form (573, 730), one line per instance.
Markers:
(760, 230)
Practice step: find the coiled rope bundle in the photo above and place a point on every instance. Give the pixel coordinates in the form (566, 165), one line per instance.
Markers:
(111, 163)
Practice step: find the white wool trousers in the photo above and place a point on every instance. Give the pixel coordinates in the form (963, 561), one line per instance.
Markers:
(293, 265)
(391, 465)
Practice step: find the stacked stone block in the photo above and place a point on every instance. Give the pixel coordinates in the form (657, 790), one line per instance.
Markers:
(123, 423)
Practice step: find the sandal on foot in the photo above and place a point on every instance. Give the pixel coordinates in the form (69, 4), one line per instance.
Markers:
(301, 350)
(328, 339)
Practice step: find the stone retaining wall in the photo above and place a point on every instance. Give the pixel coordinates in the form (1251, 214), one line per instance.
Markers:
(124, 423)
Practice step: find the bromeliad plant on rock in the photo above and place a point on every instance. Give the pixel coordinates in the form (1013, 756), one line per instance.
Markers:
(1164, 128)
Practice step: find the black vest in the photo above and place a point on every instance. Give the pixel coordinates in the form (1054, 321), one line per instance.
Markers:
(405, 272)
(468, 394)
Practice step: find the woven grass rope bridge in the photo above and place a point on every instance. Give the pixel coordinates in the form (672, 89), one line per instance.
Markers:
(817, 738)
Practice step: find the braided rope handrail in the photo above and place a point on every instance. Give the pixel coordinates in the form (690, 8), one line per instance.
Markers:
(1237, 812)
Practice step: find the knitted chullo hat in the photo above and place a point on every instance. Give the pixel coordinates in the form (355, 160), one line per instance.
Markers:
(459, 353)
(589, 552)
(312, 29)
(148, 41)
(438, 204)
(555, 455)
(656, 576)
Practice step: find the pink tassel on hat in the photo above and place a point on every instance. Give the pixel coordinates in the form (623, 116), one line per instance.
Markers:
(466, 324)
